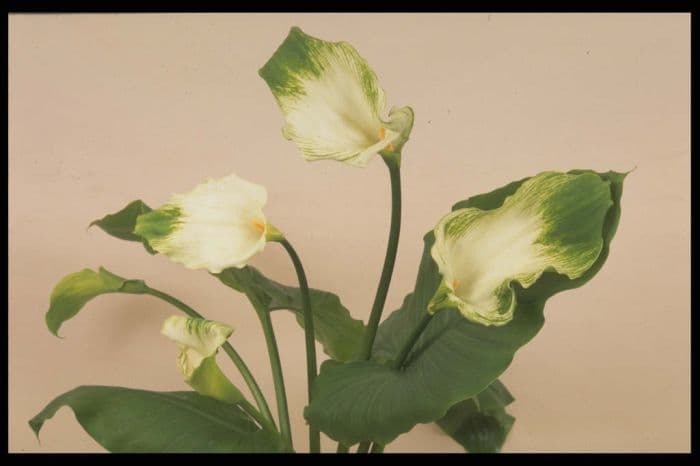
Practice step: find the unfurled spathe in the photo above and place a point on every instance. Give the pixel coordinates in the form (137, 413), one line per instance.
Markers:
(332, 102)
(554, 221)
(219, 224)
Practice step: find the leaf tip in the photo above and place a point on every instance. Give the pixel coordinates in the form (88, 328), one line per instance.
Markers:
(53, 325)
(36, 425)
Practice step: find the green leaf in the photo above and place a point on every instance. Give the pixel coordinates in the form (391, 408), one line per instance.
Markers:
(129, 420)
(453, 359)
(334, 327)
(480, 424)
(121, 224)
(75, 290)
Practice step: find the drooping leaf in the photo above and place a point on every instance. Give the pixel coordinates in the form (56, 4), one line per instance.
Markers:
(480, 424)
(121, 224)
(130, 420)
(334, 327)
(75, 290)
(453, 359)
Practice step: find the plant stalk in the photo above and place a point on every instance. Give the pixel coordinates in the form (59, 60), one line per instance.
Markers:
(314, 434)
(389, 259)
(280, 392)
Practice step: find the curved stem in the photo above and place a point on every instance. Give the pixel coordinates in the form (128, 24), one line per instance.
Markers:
(250, 381)
(255, 414)
(280, 392)
(383, 288)
(377, 448)
(364, 447)
(230, 351)
(314, 434)
(389, 258)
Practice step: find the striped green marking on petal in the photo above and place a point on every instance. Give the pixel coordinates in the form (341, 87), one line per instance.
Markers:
(331, 101)
(554, 222)
(199, 341)
(217, 225)
(157, 225)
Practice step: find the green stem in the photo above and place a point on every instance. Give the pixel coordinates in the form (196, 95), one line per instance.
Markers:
(398, 364)
(382, 289)
(364, 447)
(230, 351)
(377, 448)
(255, 414)
(250, 381)
(389, 258)
(314, 434)
(280, 392)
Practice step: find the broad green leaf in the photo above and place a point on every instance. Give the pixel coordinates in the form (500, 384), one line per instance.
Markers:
(121, 224)
(75, 290)
(334, 327)
(130, 420)
(480, 424)
(453, 359)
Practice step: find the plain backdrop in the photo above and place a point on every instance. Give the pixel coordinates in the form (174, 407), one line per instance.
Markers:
(104, 109)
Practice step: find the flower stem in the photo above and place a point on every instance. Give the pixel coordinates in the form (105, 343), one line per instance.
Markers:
(230, 351)
(250, 381)
(255, 414)
(382, 289)
(280, 392)
(364, 447)
(377, 448)
(314, 434)
(389, 259)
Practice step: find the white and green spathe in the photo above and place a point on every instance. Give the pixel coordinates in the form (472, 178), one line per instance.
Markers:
(332, 102)
(554, 221)
(199, 341)
(219, 224)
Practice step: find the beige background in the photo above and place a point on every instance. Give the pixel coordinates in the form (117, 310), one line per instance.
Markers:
(109, 108)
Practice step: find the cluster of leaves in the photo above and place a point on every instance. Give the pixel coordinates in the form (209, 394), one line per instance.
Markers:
(450, 376)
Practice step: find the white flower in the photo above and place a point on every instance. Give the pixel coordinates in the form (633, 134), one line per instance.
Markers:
(332, 102)
(554, 221)
(199, 340)
(219, 224)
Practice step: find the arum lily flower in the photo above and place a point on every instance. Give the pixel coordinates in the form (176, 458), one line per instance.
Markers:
(199, 341)
(554, 221)
(332, 102)
(219, 224)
